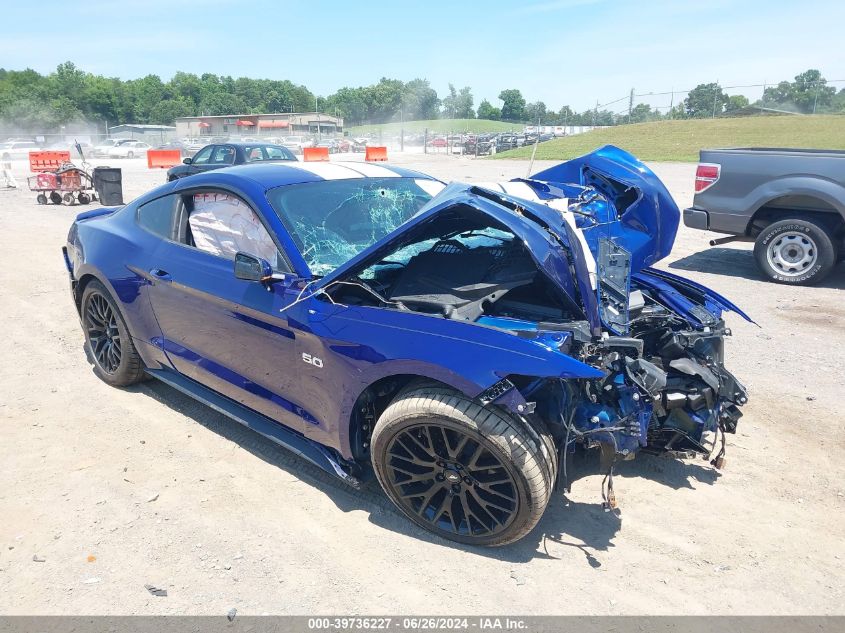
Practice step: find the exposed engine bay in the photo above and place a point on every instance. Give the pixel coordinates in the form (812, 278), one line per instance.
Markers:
(586, 293)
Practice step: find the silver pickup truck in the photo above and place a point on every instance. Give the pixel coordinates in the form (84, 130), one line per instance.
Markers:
(789, 202)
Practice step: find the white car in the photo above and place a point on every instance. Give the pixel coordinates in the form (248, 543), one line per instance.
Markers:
(295, 143)
(130, 149)
(17, 149)
(103, 148)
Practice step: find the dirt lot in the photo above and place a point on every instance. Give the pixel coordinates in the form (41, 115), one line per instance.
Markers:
(115, 489)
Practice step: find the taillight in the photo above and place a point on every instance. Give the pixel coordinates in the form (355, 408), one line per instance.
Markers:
(706, 176)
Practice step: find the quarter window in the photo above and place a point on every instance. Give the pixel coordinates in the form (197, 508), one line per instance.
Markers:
(274, 152)
(157, 216)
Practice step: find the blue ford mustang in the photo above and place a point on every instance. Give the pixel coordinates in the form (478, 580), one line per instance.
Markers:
(456, 341)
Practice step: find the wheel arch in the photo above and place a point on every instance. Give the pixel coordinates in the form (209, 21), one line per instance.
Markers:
(796, 207)
(798, 195)
(373, 399)
(87, 276)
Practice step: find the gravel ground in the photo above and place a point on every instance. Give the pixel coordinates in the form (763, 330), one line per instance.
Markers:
(105, 490)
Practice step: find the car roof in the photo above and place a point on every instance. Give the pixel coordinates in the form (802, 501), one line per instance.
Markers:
(277, 174)
(245, 143)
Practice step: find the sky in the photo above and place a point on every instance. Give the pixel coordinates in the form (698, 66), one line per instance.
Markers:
(561, 52)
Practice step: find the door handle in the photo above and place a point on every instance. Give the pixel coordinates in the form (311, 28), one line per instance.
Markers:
(161, 275)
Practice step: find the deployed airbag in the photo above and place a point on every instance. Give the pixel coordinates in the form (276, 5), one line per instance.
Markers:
(223, 225)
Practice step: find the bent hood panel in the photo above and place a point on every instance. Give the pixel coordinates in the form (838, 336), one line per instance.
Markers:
(645, 219)
(551, 243)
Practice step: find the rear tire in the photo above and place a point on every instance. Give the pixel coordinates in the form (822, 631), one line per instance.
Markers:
(108, 343)
(795, 251)
(468, 473)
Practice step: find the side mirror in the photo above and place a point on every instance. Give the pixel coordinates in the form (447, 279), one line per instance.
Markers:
(187, 161)
(251, 268)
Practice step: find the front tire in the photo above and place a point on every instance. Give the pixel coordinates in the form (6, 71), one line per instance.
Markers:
(795, 251)
(468, 473)
(108, 343)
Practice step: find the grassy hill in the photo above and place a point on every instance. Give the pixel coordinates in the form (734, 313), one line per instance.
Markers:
(437, 126)
(681, 140)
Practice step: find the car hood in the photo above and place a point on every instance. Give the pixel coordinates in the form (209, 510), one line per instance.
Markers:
(551, 242)
(561, 214)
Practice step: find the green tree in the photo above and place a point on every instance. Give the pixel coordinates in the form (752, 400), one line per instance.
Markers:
(837, 103)
(513, 105)
(641, 112)
(565, 116)
(420, 100)
(535, 111)
(186, 85)
(69, 81)
(144, 94)
(809, 93)
(167, 111)
(705, 100)
(602, 117)
(351, 104)
(383, 99)
(736, 102)
(464, 103)
(487, 111)
(450, 103)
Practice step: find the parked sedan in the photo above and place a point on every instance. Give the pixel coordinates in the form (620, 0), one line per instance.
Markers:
(331, 144)
(130, 149)
(295, 143)
(103, 148)
(456, 348)
(17, 149)
(182, 147)
(222, 155)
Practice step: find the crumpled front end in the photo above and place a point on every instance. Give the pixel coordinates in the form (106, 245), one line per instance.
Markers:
(664, 387)
(564, 267)
(660, 343)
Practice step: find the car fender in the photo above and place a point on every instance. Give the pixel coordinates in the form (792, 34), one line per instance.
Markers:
(825, 190)
(102, 237)
(361, 345)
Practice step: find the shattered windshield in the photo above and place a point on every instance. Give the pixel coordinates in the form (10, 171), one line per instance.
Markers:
(333, 220)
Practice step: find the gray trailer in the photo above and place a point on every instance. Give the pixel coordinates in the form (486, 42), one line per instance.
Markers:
(789, 202)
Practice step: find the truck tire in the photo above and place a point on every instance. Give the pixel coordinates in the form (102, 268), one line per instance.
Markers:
(795, 251)
(466, 472)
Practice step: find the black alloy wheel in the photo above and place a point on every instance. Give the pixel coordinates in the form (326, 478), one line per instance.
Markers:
(103, 333)
(452, 481)
(467, 472)
(108, 344)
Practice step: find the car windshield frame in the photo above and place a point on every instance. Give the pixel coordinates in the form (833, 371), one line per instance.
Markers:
(332, 221)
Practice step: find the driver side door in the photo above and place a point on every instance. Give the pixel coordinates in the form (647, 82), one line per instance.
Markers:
(226, 333)
(201, 161)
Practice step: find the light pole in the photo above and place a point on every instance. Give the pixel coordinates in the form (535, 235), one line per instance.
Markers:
(317, 110)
